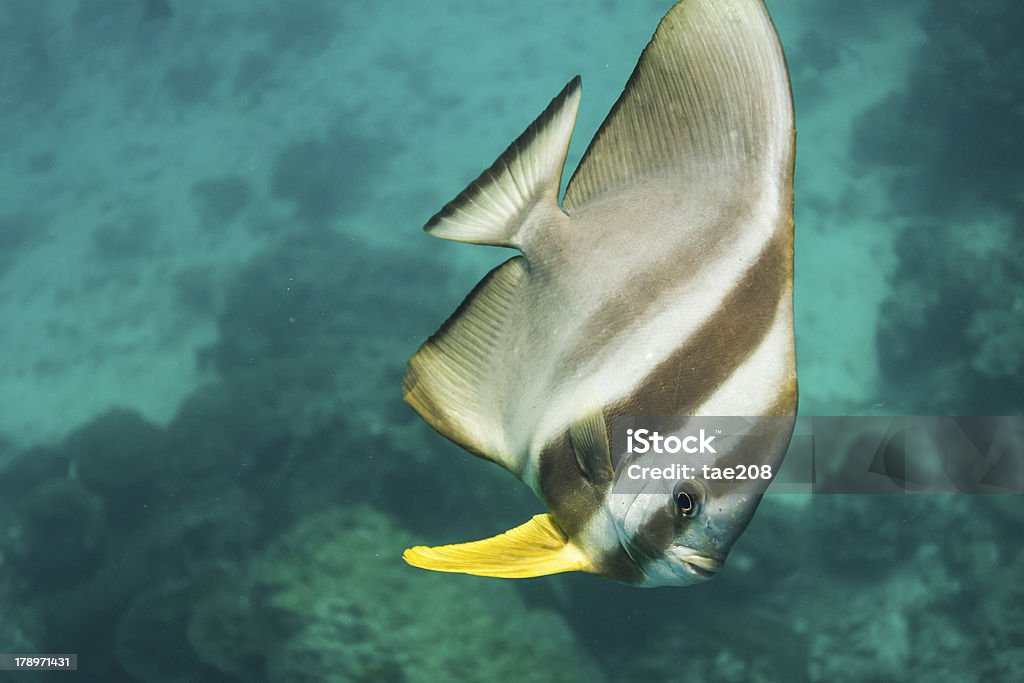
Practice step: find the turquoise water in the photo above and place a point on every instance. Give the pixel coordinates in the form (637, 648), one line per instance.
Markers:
(212, 275)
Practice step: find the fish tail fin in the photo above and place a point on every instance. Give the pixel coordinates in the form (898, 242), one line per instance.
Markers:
(495, 206)
(536, 548)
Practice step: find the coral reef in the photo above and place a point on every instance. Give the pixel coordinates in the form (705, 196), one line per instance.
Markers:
(1002, 621)
(950, 336)
(320, 176)
(249, 538)
(131, 238)
(150, 639)
(314, 331)
(60, 535)
(326, 601)
(191, 83)
(218, 200)
(117, 451)
(955, 128)
(18, 232)
(167, 518)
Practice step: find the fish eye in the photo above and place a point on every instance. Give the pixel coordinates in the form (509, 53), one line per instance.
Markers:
(687, 498)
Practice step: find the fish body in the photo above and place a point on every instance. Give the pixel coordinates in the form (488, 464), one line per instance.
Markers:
(660, 288)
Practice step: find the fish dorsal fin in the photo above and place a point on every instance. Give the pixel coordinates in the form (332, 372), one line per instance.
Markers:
(589, 435)
(448, 378)
(537, 548)
(494, 208)
(708, 103)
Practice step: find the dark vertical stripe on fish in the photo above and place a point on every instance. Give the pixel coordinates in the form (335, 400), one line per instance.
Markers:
(733, 332)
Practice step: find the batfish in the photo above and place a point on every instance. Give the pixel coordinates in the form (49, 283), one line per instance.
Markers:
(660, 286)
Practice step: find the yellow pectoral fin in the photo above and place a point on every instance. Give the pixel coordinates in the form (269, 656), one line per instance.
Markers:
(537, 548)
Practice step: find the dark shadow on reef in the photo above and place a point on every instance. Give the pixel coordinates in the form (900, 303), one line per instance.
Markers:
(116, 538)
(954, 130)
(951, 338)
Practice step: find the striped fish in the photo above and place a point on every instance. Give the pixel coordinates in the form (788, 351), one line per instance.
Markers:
(661, 287)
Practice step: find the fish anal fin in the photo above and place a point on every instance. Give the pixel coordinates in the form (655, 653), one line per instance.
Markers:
(494, 208)
(589, 435)
(536, 548)
(451, 380)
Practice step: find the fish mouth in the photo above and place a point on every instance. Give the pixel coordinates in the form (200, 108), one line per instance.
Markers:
(701, 565)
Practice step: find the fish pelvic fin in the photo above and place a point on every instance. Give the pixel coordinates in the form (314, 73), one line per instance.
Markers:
(494, 208)
(537, 548)
(589, 437)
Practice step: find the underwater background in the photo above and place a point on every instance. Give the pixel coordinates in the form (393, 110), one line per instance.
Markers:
(212, 275)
